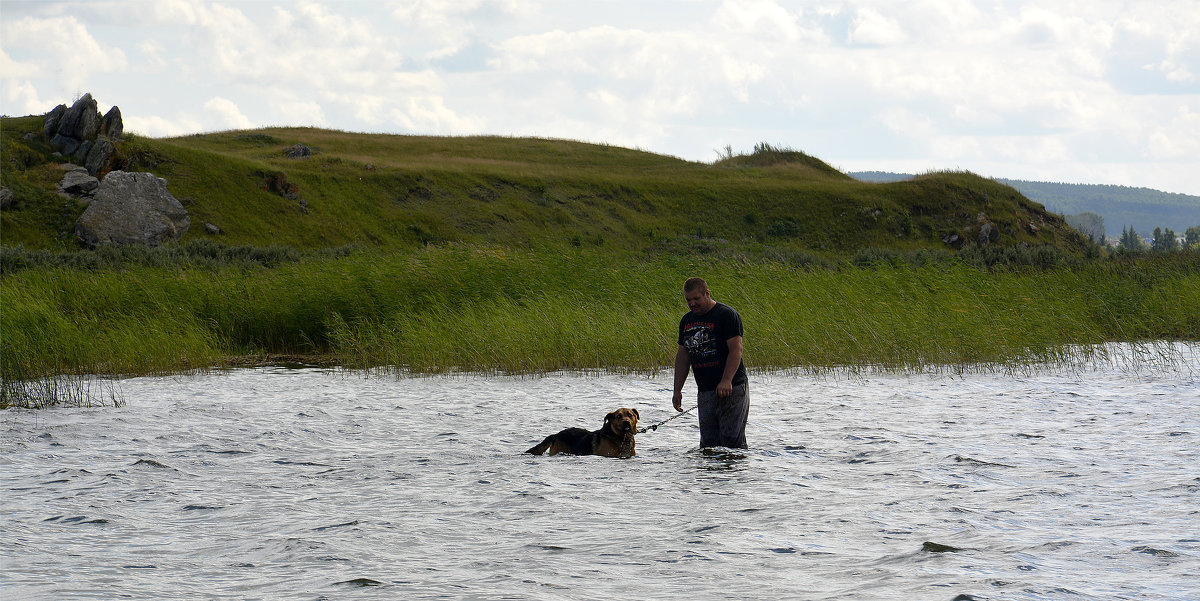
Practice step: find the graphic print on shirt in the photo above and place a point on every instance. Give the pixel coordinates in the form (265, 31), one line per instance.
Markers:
(701, 344)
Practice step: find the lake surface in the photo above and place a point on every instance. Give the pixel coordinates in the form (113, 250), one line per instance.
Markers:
(281, 483)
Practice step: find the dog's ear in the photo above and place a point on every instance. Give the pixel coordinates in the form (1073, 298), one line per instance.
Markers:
(611, 416)
(636, 414)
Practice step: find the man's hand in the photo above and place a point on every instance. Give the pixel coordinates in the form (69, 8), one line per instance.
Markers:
(725, 389)
(677, 400)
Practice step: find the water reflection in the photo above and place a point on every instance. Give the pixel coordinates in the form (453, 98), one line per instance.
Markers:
(721, 459)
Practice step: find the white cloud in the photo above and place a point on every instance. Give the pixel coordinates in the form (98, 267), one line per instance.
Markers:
(1177, 139)
(298, 112)
(153, 51)
(11, 69)
(762, 20)
(21, 98)
(158, 126)
(873, 28)
(430, 114)
(227, 113)
(63, 44)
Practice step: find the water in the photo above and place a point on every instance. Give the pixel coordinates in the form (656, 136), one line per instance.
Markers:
(327, 484)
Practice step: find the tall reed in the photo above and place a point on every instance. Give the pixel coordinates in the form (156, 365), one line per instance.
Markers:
(502, 310)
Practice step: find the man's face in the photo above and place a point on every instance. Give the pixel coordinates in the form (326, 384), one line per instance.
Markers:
(698, 301)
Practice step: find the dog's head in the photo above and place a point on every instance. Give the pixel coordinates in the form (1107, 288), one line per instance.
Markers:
(622, 421)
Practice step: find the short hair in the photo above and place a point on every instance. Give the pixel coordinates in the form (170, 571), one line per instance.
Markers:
(693, 284)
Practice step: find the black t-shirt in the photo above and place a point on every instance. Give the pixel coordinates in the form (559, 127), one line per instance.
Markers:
(706, 338)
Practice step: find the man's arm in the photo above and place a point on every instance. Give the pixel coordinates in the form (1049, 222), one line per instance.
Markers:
(725, 387)
(682, 366)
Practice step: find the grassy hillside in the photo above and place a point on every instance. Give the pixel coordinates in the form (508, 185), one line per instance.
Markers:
(408, 191)
(1143, 209)
(1121, 206)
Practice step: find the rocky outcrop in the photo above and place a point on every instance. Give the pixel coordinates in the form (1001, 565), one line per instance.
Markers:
(298, 151)
(81, 133)
(7, 198)
(78, 124)
(132, 208)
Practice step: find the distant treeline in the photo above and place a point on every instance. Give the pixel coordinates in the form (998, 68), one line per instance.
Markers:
(1142, 209)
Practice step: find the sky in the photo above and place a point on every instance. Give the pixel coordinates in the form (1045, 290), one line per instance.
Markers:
(1079, 91)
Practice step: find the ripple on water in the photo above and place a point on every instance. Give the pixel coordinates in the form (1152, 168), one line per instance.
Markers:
(273, 483)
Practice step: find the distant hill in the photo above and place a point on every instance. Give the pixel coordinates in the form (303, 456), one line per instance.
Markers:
(241, 188)
(1121, 206)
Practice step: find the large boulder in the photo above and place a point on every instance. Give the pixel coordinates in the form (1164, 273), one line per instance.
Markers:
(132, 208)
(77, 182)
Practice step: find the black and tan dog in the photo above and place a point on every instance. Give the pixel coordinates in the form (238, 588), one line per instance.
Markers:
(615, 439)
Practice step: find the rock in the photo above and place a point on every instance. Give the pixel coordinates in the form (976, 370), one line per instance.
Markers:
(988, 233)
(7, 198)
(112, 127)
(50, 123)
(132, 208)
(79, 123)
(212, 229)
(78, 183)
(298, 151)
(277, 183)
(99, 159)
(65, 145)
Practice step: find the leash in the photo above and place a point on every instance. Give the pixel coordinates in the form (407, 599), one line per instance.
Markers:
(655, 426)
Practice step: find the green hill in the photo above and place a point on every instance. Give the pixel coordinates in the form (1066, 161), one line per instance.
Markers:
(1143, 209)
(407, 191)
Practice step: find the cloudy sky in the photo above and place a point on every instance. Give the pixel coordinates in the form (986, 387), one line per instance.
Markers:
(1085, 91)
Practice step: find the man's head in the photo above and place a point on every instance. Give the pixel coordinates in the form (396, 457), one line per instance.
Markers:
(695, 292)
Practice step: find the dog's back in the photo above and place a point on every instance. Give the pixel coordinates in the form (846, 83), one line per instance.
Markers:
(575, 441)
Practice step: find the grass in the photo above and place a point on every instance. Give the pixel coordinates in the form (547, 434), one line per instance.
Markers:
(503, 310)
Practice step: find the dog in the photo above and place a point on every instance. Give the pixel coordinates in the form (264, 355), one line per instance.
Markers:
(614, 439)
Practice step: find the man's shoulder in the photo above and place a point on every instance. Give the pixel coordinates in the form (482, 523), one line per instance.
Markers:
(725, 309)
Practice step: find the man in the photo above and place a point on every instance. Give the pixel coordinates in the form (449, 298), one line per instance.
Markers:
(710, 343)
